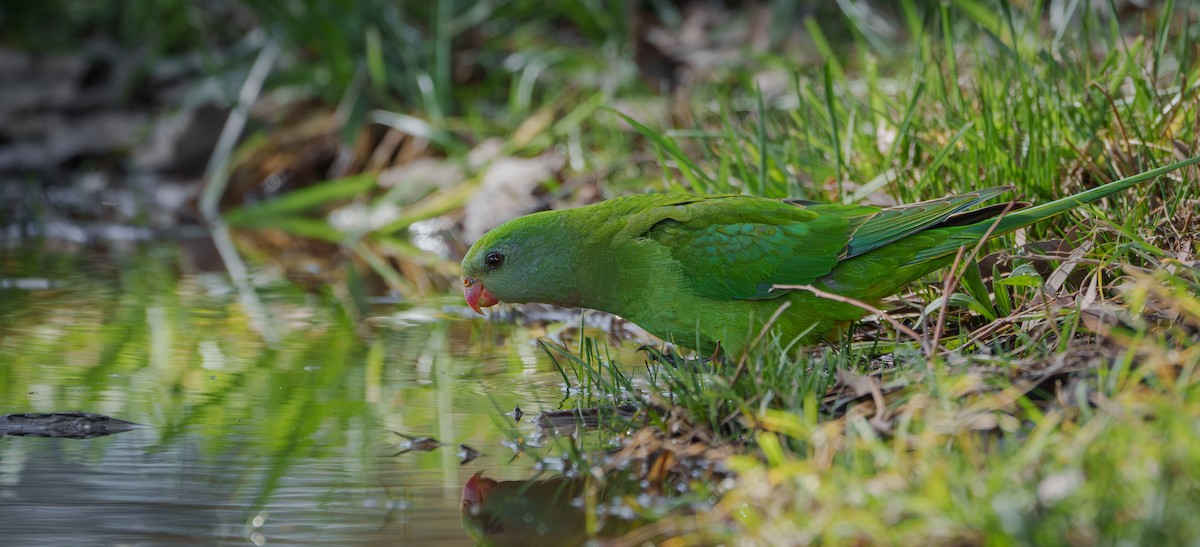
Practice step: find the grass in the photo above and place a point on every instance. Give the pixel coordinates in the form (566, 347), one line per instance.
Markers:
(1050, 394)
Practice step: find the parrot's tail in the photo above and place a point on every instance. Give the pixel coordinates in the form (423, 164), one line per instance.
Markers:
(971, 234)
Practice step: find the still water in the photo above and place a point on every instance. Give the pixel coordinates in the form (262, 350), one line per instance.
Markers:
(250, 444)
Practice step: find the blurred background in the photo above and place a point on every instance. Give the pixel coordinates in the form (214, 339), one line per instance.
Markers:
(397, 131)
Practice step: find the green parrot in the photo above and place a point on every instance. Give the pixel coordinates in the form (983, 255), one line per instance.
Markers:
(699, 270)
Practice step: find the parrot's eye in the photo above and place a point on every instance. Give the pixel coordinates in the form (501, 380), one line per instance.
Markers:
(493, 260)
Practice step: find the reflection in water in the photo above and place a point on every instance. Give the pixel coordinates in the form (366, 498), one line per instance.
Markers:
(536, 512)
(58, 492)
(286, 444)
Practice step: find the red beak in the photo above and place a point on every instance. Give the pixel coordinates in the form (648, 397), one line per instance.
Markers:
(476, 490)
(477, 295)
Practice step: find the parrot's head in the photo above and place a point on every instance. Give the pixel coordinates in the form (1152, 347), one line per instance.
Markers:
(528, 259)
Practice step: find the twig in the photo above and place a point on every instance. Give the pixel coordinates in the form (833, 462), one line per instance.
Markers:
(762, 332)
(952, 281)
(858, 303)
(947, 286)
(216, 175)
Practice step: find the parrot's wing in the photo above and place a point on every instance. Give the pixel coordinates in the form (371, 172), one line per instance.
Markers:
(896, 223)
(737, 247)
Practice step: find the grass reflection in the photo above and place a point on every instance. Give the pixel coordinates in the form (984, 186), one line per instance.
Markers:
(299, 432)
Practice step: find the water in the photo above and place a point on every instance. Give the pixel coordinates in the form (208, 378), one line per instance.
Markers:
(249, 444)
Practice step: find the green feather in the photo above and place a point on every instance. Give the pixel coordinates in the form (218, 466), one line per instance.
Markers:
(753, 243)
(897, 222)
(971, 234)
